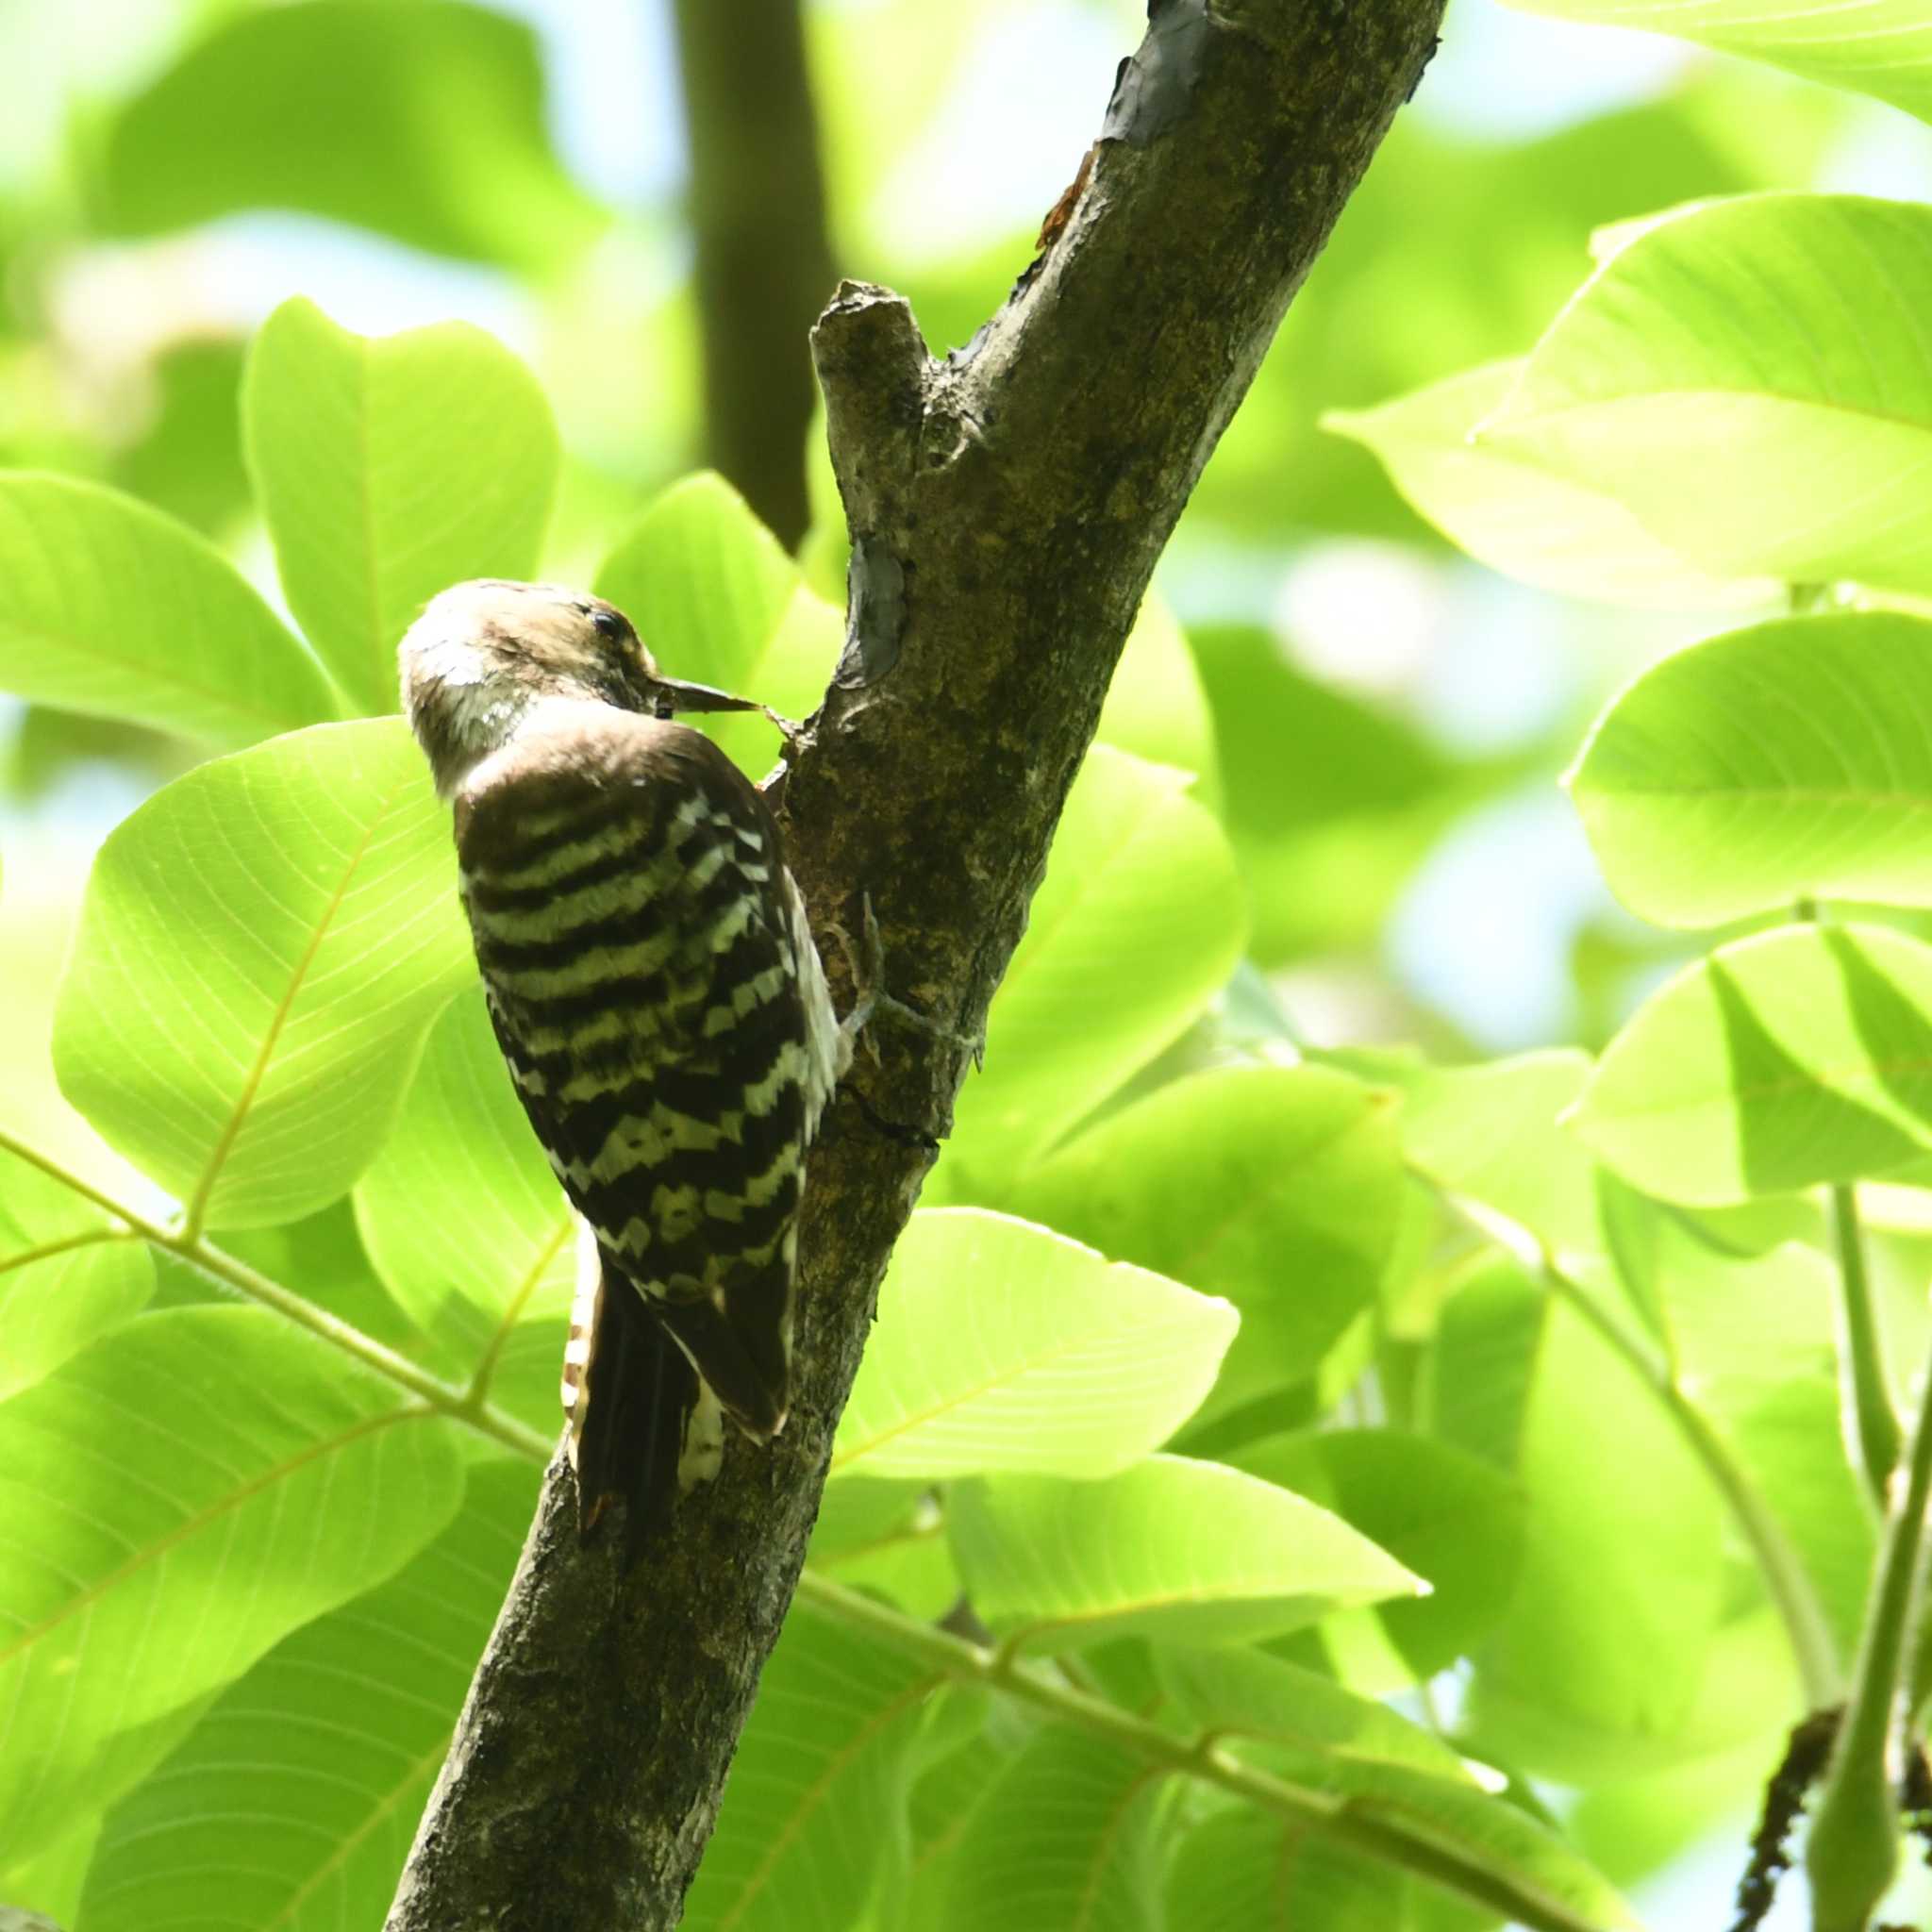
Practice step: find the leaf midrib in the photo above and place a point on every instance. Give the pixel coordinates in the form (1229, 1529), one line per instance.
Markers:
(251, 1086)
(201, 1518)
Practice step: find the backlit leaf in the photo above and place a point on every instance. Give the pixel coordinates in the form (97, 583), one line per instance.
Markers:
(1791, 760)
(1686, 380)
(1190, 1551)
(1780, 1061)
(445, 100)
(263, 946)
(389, 468)
(1003, 1346)
(201, 1482)
(110, 608)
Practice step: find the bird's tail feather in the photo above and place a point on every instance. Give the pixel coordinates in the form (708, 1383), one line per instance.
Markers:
(644, 1427)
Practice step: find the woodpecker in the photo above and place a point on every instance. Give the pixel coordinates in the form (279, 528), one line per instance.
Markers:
(661, 1006)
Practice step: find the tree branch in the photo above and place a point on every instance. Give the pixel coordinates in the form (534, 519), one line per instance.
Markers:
(764, 260)
(1007, 508)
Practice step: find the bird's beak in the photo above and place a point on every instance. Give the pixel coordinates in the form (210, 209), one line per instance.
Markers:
(670, 695)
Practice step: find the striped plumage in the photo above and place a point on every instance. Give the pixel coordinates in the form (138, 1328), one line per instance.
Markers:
(661, 1005)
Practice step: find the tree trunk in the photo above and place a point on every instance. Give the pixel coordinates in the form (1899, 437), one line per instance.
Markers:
(1007, 508)
(764, 264)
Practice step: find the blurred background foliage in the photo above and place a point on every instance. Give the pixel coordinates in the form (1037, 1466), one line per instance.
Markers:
(1389, 715)
(1390, 718)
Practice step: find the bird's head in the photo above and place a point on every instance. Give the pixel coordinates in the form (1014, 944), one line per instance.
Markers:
(485, 653)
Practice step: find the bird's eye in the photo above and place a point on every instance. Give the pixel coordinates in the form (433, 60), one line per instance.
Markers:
(609, 625)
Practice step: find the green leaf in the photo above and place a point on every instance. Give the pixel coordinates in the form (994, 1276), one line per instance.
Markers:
(1249, 1871)
(1276, 1187)
(1790, 760)
(1783, 1060)
(716, 599)
(1189, 1551)
(1521, 519)
(703, 579)
(1687, 380)
(1488, 1133)
(450, 151)
(816, 1805)
(67, 1274)
(263, 946)
(328, 1748)
(389, 468)
(1601, 1655)
(1156, 708)
(1066, 1839)
(1443, 1514)
(943, 1799)
(887, 1538)
(1003, 1346)
(49, 1881)
(465, 1222)
(1882, 47)
(109, 607)
(201, 1482)
(1249, 1694)
(1137, 925)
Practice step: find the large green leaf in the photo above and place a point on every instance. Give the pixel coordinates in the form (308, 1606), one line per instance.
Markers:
(704, 581)
(1440, 1511)
(716, 599)
(1882, 47)
(1488, 1134)
(1520, 518)
(1247, 1870)
(327, 1749)
(389, 468)
(1790, 760)
(1137, 925)
(109, 607)
(1274, 1186)
(201, 1482)
(1780, 1061)
(1686, 380)
(1601, 1652)
(465, 1222)
(1247, 1694)
(67, 1274)
(263, 946)
(1003, 1346)
(1064, 1842)
(887, 1538)
(49, 1881)
(424, 122)
(1306, 1730)
(816, 1804)
(1192, 1551)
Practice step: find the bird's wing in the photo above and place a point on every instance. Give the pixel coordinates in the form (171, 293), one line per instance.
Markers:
(641, 942)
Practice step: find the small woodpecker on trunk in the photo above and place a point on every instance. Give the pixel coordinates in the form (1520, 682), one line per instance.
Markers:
(660, 1001)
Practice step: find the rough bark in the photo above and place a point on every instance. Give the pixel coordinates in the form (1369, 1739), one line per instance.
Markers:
(765, 262)
(1006, 506)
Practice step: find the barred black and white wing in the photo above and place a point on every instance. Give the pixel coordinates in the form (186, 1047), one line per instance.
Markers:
(658, 996)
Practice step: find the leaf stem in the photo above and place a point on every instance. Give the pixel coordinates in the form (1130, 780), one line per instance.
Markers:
(1853, 1851)
(1352, 1821)
(1871, 1424)
(1873, 1415)
(458, 1405)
